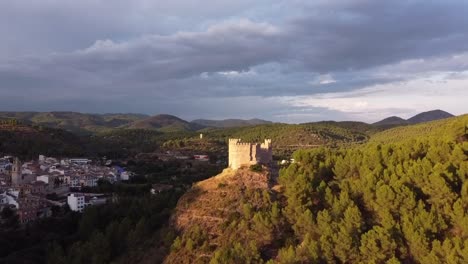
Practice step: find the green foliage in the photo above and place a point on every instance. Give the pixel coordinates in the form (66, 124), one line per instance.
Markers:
(382, 202)
(256, 168)
(108, 232)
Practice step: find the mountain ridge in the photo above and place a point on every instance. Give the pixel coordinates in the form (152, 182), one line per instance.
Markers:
(422, 117)
(231, 122)
(84, 123)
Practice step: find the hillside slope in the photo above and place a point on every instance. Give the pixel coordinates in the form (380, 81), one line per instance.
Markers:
(29, 141)
(448, 129)
(164, 123)
(208, 214)
(294, 136)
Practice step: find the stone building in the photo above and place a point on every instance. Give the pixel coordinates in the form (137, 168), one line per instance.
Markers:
(16, 174)
(246, 154)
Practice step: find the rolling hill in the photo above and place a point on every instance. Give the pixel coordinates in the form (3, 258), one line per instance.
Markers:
(230, 122)
(419, 118)
(72, 121)
(164, 123)
(83, 123)
(391, 121)
(429, 116)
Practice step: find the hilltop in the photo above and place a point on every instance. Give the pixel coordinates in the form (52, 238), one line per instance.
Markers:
(419, 118)
(429, 116)
(205, 215)
(391, 121)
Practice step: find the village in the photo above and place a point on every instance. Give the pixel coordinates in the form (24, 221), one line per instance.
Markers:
(31, 188)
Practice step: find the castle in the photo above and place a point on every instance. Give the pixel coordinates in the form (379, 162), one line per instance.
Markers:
(243, 153)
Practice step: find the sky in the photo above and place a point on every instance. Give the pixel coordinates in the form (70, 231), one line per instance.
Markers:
(288, 61)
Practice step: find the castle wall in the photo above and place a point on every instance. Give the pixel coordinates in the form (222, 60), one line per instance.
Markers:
(245, 154)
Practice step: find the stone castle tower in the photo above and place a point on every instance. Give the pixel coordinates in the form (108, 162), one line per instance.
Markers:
(246, 154)
(16, 175)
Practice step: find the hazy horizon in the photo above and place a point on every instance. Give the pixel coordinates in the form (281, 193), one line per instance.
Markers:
(284, 61)
(234, 117)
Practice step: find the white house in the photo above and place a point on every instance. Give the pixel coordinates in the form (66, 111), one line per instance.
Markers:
(76, 201)
(44, 178)
(54, 169)
(10, 197)
(125, 176)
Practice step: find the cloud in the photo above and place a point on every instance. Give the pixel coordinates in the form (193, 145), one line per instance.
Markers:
(323, 79)
(295, 59)
(405, 99)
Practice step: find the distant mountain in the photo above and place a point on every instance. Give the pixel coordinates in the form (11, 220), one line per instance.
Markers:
(419, 118)
(391, 121)
(230, 122)
(164, 123)
(73, 121)
(83, 123)
(429, 116)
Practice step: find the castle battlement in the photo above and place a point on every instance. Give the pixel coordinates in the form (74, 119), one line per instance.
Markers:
(246, 153)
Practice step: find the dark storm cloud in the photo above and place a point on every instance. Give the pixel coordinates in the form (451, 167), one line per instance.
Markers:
(162, 60)
(364, 34)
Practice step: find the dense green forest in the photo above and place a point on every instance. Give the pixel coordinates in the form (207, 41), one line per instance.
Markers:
(403, 200)
(29, 141)
(100, 235)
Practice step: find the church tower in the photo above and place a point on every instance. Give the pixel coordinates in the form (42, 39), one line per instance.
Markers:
(16, 172)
